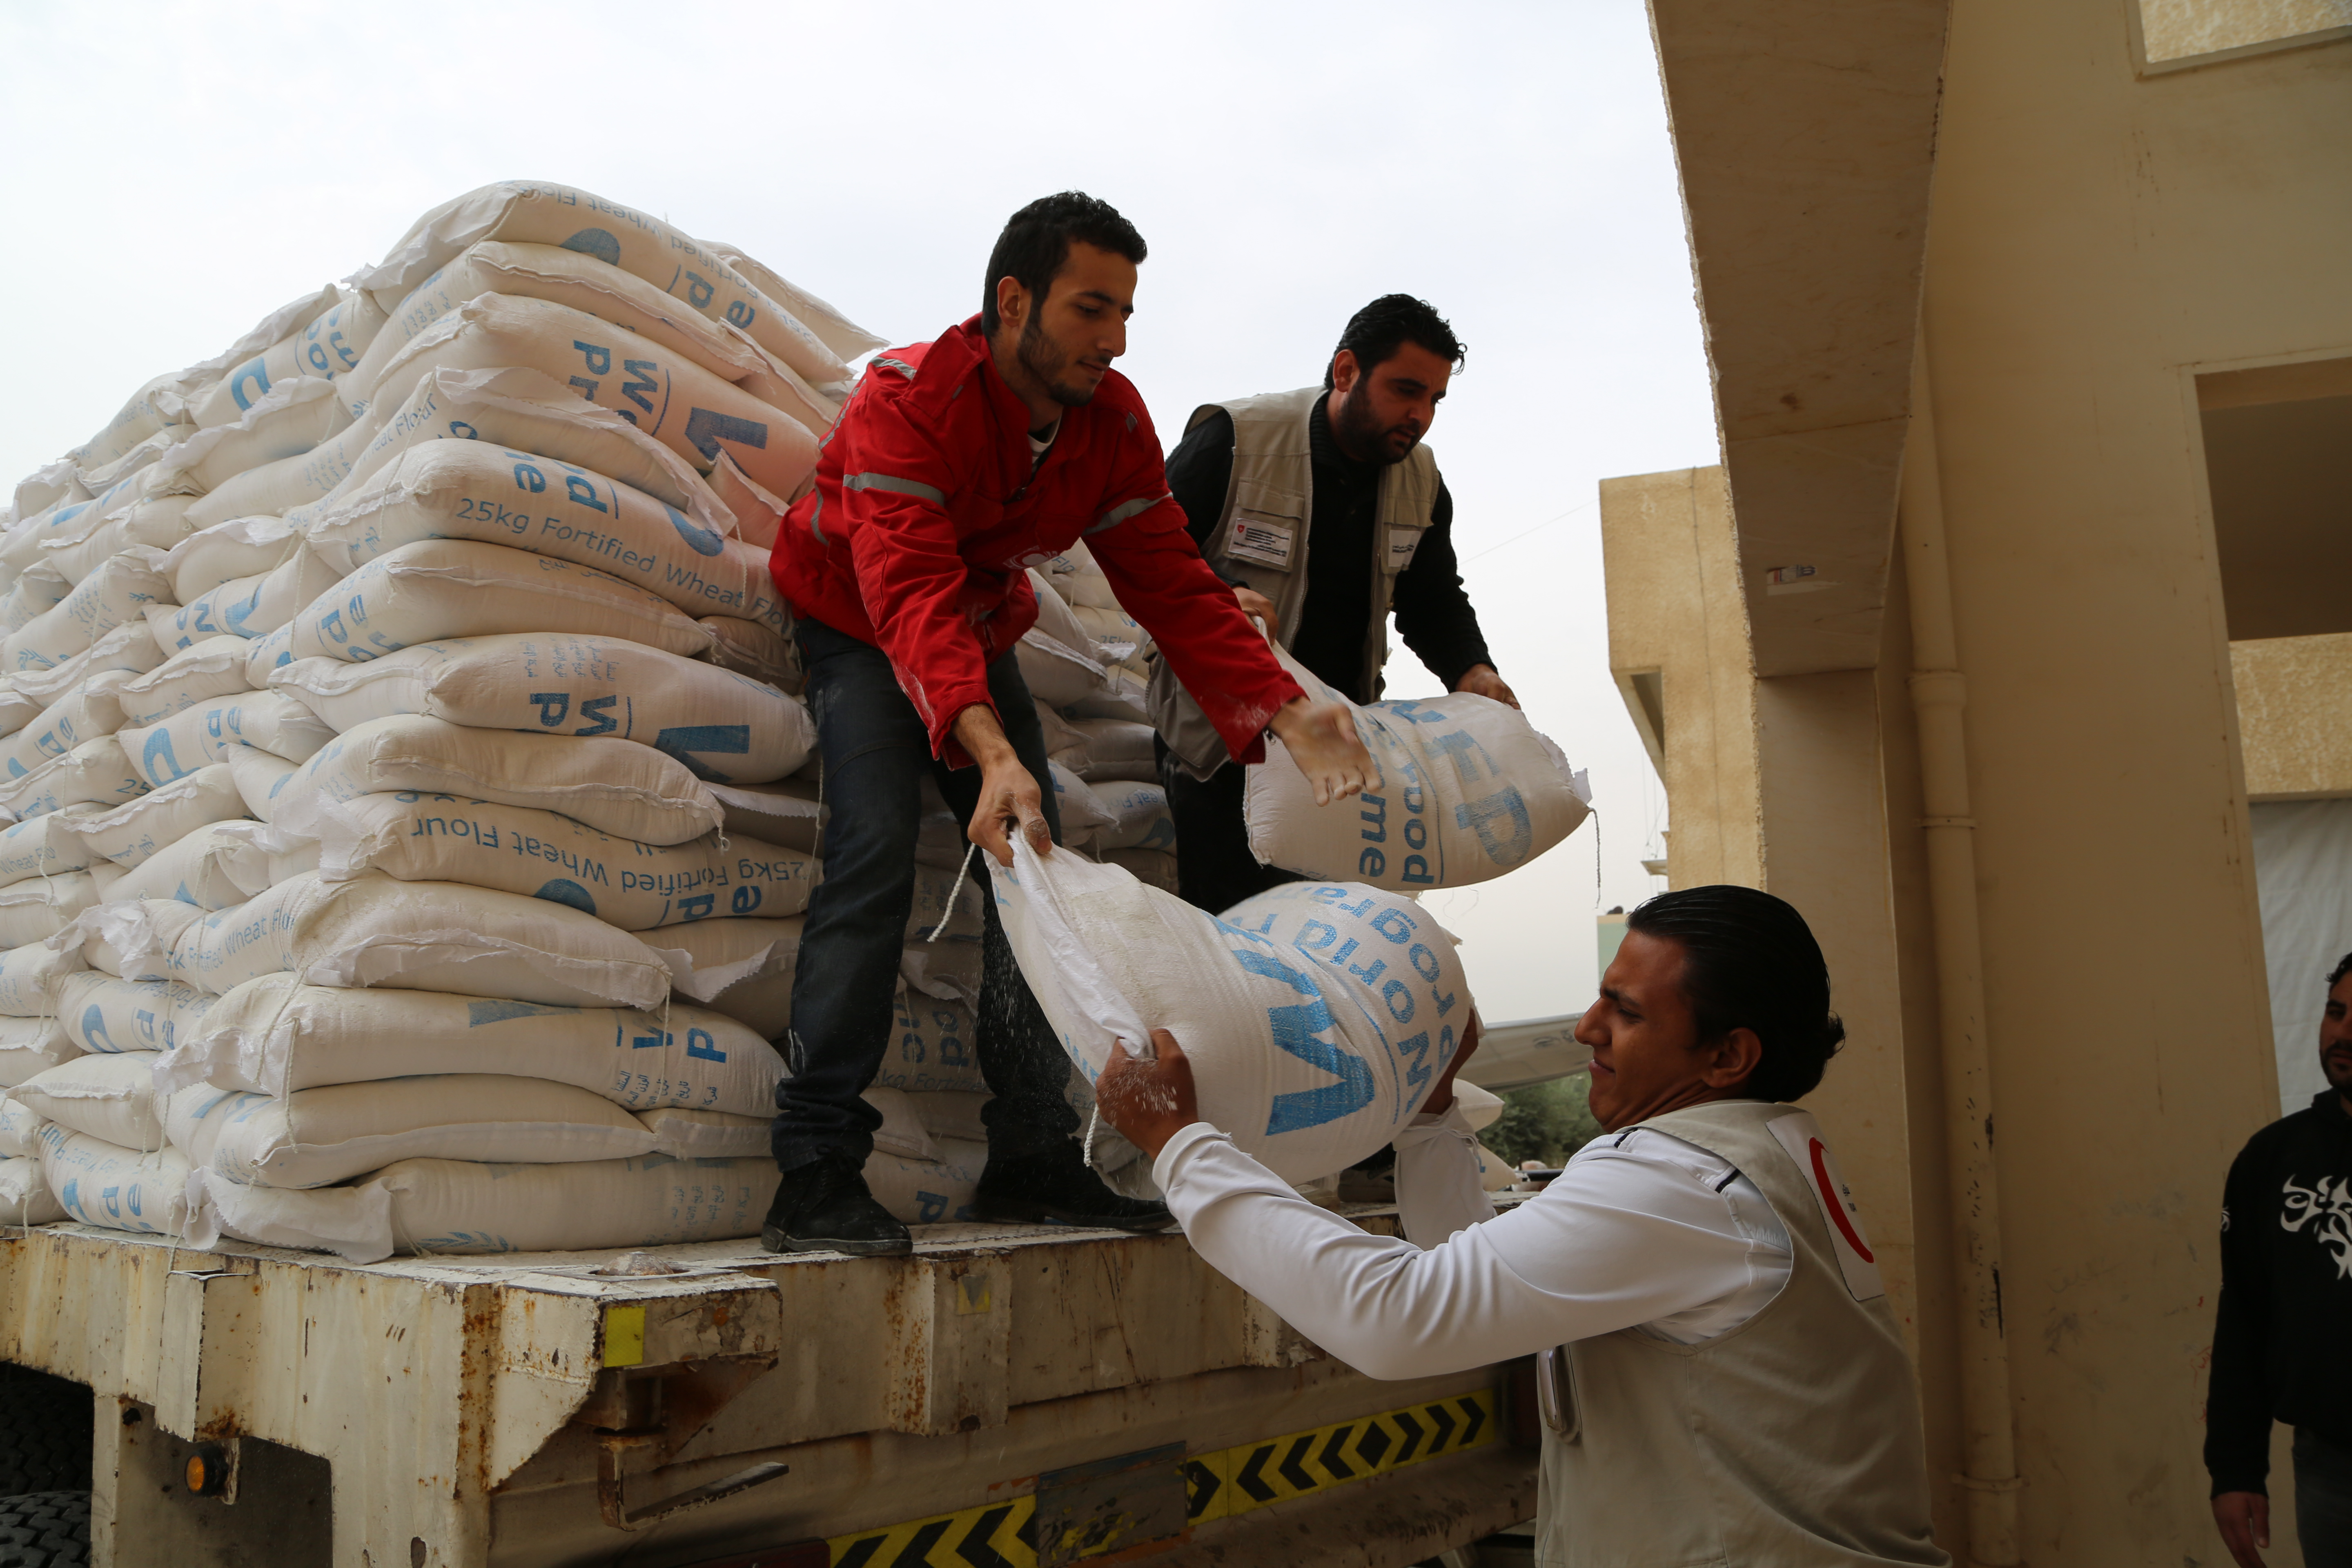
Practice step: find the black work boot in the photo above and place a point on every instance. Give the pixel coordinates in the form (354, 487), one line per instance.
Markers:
(825, 1207)
(1059, 1188)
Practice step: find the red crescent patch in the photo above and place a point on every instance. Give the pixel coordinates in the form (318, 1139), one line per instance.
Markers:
(1836, 1205)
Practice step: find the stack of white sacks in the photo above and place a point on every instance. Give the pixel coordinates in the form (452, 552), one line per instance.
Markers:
(409, 808)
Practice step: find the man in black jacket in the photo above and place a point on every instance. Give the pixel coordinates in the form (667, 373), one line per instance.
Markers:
(2285, 1310)
(1340, 480)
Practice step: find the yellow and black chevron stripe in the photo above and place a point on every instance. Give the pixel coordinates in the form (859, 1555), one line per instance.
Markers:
(1298, 1464)
(1218, 1485)
(1000, 1535)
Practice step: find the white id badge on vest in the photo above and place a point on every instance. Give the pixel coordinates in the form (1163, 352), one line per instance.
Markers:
(1265, 540)
(1402, 543)
(1801, 1135)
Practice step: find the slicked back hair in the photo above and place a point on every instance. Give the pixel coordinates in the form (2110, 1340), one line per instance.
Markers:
(1750, 960)
(1037, 242)
(1374, 334)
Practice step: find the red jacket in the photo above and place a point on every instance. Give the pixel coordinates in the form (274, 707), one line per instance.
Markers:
(926, 516)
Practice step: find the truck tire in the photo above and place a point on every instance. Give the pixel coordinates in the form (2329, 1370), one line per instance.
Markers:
(44, 1433)
(45, 1530)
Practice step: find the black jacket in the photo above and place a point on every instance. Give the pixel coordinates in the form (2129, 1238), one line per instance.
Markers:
(1432, 614)
(2279, 1350)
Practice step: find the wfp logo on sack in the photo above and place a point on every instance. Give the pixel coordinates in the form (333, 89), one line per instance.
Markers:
(706, 542)
(1378, 1003)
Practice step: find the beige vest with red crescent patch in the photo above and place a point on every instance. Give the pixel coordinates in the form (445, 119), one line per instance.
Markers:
(1261, 539)
(1793, 1439)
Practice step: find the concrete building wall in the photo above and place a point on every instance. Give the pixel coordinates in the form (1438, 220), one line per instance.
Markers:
(2097, 236)
(2100, 234)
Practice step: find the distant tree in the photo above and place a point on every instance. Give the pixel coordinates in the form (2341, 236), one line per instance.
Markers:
(1547, 1122)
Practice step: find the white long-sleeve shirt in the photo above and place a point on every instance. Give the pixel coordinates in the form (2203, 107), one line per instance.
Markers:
(1641, 1230)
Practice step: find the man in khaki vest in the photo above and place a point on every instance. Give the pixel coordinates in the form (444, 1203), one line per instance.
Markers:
(1721, 1379)
(1338, 477)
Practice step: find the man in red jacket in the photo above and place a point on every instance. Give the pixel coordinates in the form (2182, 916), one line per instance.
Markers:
(956, 466)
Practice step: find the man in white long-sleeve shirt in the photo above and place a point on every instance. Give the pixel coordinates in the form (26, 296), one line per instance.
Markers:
(1725, 1383)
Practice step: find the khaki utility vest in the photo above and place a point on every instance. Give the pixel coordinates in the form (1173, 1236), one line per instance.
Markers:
(1261, 539)
(1793, 1439)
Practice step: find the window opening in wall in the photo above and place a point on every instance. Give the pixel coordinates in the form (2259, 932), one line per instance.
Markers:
(2176, 33)
(2278, 460)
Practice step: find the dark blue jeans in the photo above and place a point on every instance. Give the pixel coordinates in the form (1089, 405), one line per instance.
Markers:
(876, 752)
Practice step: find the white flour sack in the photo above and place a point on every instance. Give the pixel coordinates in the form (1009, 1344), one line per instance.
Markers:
(196, 738)
(44, 846)
(116, 593)
(931, 1047)
(275, 1034)
(763, 653)
(158, 523)
(130, 648)
(19, 1132)
(1316, 1015)
(459, 1207)
(31, 978)
(113, 1188)
(741, 969)
(106, 1013)
(39, 906)
(108, 1097)
(836, 330)
(16, 710)
(196, 869)
(774, 813)
(24, 1196)
(726, 728)
(313, 1137)
(132, 939)
(612, 786)
(525, 410)
(566, 278)
(326, 346)
(223, 551)
(28, 1045)
(96, 773)
(1469, 790)
(246, 607)
(518, 849)
(440, 588)
(474, 489)
(38, 588)
(258, 776)
(212, 667)
(295, 417)
(88, 711)
(685, 407)
(128, 835)
(420, 936)
(534, 212)
(706, 1134)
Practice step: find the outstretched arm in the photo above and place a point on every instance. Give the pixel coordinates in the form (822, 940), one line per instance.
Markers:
(1607, 1246)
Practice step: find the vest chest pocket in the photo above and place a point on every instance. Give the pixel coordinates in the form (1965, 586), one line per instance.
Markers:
(1268, 527)
(1401, 544)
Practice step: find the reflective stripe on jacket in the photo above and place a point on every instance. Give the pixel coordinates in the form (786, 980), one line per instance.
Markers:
(926, 513)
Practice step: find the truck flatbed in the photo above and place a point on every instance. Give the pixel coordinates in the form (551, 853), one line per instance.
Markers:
(1007, 1395)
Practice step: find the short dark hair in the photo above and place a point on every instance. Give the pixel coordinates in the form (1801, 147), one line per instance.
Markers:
(2343, 967)
(1037, 242)
(1748, 959)
(1374, 334)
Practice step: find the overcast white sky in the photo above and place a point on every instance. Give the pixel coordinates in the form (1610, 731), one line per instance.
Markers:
(177, 170)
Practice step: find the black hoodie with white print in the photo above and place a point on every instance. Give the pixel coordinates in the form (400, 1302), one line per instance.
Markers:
(2279, 1334)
